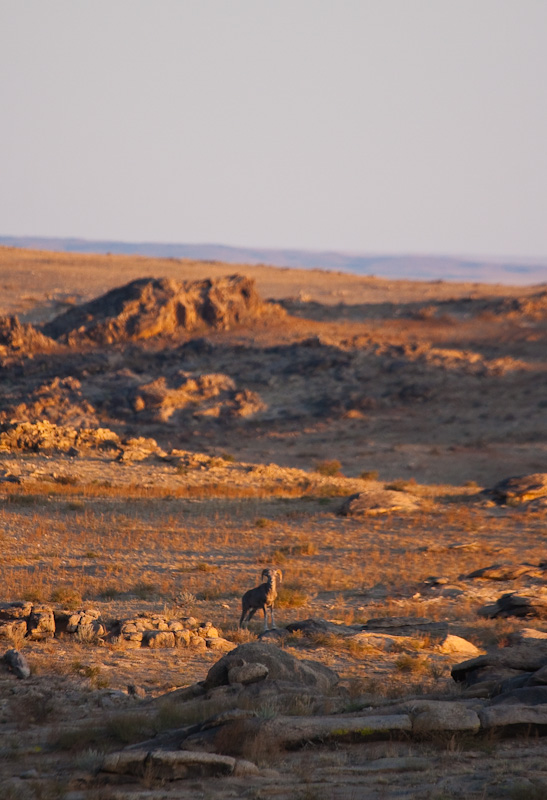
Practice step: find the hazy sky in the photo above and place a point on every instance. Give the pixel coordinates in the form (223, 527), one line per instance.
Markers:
(367, 125)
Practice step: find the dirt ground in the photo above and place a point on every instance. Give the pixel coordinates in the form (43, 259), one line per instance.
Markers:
(456, 384)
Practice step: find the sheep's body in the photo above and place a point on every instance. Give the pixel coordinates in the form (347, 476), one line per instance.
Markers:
(261, 597)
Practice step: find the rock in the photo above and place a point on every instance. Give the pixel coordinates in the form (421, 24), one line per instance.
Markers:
(46, 437)
(41, 623)
(383, 641)
(85, 624)
(313, 626)
(428, 716)
(149, 307)
(405, 626)
(220, 644)
(516, 605)
(158, 639)
(508, 715)
(244, 673)
(520, 489)
(502, 572)
(377, 501)
(281, 667)
(292, 731)
(17, 663)
(136, 691)
(494, 672)
(526, 635)
(169, 764)
(16, 629)
(18, 610)
(455, 644)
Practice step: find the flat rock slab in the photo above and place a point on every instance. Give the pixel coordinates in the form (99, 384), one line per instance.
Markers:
(508, 714)
(294, 731)
(175, 764)
(502, 572)
(313, 625)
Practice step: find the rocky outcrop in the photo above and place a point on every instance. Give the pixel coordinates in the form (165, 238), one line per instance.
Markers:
(21, 338)
(59, 401)
(150, 307)
(46, 437)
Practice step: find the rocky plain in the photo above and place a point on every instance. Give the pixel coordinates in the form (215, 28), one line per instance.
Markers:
(170, 428)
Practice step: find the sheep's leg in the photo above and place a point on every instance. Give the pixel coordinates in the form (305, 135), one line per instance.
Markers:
(272, 616)
(265, 610)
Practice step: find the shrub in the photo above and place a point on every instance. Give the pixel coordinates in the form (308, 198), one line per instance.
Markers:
(329, 469)
(67, 596)
(369, 475)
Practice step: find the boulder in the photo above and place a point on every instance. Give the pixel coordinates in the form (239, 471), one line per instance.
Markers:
(516, 605)
(430, 716)
(17, 663)
(455, 644)
(377, 501)
(281, 667)
(519, 489)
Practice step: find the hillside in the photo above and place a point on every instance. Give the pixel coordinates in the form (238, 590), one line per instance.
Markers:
(524, 271)
(172, 429)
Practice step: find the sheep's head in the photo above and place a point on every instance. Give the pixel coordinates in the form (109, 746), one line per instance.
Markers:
(272, 574)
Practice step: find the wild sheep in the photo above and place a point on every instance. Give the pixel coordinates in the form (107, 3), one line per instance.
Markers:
(262, 596)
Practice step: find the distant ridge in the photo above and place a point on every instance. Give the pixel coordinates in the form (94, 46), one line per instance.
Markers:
(411, 267)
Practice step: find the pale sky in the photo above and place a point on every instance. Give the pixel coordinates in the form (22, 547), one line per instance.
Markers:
(375, 126)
